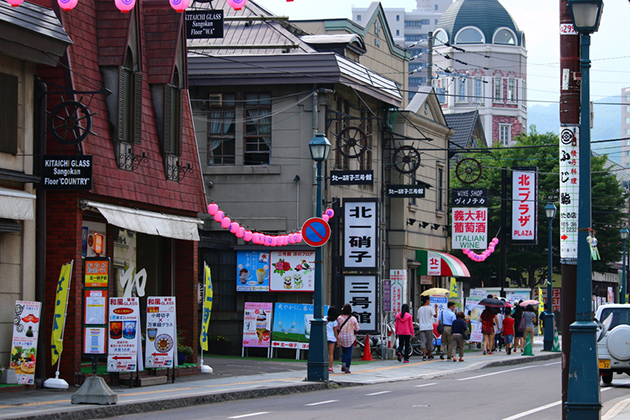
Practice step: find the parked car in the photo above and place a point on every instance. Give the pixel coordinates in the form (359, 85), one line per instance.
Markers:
(613, 340)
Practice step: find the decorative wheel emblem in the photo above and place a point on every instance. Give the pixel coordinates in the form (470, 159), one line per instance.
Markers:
(406, 159)
(468, 170)
(70, 122)
(352, 142)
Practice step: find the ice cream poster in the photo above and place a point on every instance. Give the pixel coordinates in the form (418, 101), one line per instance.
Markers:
(292, 271)
(161, 337)
(474, 310)
(292, 325)
(124, 327)
(252, 271)
(24, 346)
(257, 324)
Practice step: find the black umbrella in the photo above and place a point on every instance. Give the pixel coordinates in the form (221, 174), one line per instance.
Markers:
(492, 302)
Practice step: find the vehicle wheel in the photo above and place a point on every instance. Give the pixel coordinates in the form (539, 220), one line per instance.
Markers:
(607, 377)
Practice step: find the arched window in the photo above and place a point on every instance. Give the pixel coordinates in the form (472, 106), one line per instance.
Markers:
(469, 35)
(523, 41)
(440, 37)
(504, 36)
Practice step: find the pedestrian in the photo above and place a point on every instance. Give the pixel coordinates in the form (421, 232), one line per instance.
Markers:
(446, 318)
(458, 332)
(488, 323)
(332, 335)
(498, 330)
(518, 334)
(347, 327)
(426, 317)
(508, 330)
(530, 322)
(404, 331)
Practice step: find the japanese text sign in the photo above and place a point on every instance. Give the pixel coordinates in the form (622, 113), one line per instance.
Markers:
(360, 245)
(398, 289)
(161, 332)
(292, 271)
(470, 228)
(524, 205)
(124, 319)
(257, 324)
(569, 192)
(467, 197)
(252, 271)
(26, 323)
(360, 292)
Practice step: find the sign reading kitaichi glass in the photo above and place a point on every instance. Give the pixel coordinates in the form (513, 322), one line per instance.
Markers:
(61, 172)
(360, 225)
(204, 25)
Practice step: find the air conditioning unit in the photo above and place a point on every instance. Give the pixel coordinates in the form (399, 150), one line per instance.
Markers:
(216, 100)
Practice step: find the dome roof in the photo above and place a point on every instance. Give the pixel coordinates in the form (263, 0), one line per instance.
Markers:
(486, 15)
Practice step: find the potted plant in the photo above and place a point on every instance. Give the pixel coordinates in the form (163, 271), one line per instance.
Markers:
(218, 344)
(183, 351)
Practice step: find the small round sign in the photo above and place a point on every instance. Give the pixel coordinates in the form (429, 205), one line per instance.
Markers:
(315, 231)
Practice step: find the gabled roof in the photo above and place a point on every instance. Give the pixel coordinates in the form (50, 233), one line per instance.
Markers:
(426, 95)
(468, 130)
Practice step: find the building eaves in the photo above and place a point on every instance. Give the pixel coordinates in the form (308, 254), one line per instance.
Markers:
(464, 125)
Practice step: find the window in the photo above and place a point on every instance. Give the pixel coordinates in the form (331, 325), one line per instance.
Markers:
(221, 129)
(257, 136)
(478, 91)
(627, 108)
(129, 114)
(469, 36)
(397, 18)
(461, 90)
(343, 108)
(505, 134)
(627, 120)
(358, 18)
(9, 114)
(439, 200)
(397, 32)
(511, 89)
(441, 94)
(435, 6)
(440, 37)
(504, 36)
(498, 89)
(223, 266)
(173, 117)
(627, 133)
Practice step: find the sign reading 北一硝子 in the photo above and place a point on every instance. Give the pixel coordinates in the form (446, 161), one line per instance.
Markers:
(204, 25)
(61, 172)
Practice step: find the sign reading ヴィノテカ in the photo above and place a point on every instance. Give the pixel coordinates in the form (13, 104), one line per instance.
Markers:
(124, 320)
(161, 337)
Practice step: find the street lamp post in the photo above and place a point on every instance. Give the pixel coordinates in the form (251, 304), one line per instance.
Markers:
(583, 399)
(550, 211)
(317, 365)
(623, 232)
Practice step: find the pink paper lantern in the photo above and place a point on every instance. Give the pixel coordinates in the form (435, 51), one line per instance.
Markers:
(218, 216)
(247, 236)
(179, 5)
(213, 208)
(15, 3)
(225, 223)
(298, 238)
(325, 217)
(240, 232)
(330, 212)
(67, 5)
(237, 4)
(125, 6)
(234, 227)
(273, 241)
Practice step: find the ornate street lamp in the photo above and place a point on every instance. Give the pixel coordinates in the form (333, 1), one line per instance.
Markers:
(583, 399)
(623, 233)
(317, 365)
(550, 212)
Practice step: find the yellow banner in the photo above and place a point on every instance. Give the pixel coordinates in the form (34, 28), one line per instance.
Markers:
(59, 319)
(454, 293)
(207, 308)
(541, 308)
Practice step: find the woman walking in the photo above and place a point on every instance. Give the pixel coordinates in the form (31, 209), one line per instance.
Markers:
(348, 325)
(332, 335)
(530, 322)
(457, 336)
(404, 331)
(488, 323)
(518, 334)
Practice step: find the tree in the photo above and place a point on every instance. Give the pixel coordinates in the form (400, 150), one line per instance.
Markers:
(527, 264)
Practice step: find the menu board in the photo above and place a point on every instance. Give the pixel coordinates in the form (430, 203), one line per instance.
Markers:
(24, 343)
(257, 324)
(124, 326)
(161, 338)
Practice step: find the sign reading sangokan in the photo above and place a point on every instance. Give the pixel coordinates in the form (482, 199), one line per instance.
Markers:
(61, 172)
(204, 25)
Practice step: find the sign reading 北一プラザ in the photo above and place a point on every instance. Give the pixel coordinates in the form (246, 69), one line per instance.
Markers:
(61, 172)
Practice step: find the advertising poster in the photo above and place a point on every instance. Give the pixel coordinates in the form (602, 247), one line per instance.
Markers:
(124, 327)
(441, 302)
(398, 289)
(161, 338)
(94, 340)
(95, 305)
(96, 272)
(252, 271)
(292, 271)
(473, 311)
(292, 325)
(24, 343)
(257, 324)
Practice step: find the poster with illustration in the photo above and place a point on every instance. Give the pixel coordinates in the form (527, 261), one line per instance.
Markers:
(24, 344)
(252, 271)
(292, 325)
(292, 271)
(161, 337)
(257, 324)
(124, 328)
(474, 310)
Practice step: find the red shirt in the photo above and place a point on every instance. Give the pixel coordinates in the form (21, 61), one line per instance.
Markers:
(508, 326)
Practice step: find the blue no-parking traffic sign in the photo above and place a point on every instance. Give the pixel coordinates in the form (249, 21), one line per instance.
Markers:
(315, 231)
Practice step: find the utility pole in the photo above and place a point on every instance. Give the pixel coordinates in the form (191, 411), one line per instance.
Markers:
(569, 121)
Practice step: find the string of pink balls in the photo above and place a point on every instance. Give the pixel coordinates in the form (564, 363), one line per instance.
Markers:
(485, 254)
(257, 237)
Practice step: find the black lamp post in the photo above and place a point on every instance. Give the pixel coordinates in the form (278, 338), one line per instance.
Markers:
(583, 399)
(550, 212)
(623, 233)
(317, 365)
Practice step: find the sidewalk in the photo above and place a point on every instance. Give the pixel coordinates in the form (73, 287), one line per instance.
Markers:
(265, 379)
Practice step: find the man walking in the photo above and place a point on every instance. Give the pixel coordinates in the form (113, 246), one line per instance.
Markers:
(447, 318)
(426, 317)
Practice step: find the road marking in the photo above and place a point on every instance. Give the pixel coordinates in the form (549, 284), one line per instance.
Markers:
(423, 385)
(551, 364)
(537, 409)
(249, 415)
(320, 403)
(616, 409)
(495, 373)
(378, 393)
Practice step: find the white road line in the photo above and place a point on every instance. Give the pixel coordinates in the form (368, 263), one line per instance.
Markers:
(616, 409)
(320, 403)
(495, 373)
(378, 393)
(423, 385)
(551, 364)
(249, 415)
(541, 408)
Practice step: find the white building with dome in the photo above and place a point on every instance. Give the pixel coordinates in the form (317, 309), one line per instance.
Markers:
(480, 63)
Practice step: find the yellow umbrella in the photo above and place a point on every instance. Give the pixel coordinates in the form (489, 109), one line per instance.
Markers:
(434, 291)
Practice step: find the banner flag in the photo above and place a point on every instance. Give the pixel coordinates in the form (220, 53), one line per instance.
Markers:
(454, 292)
(207, 308)
(541, 308)
(61, 304)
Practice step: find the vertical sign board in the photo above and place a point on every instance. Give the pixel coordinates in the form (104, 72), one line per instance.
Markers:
(398, 292)
(257, 324)
(124, 320)
(525, 205)
(569, 192)
(96, 281)
(26, 322)
(161, 337)
(360, 292)
(470, 228)
(360, 225)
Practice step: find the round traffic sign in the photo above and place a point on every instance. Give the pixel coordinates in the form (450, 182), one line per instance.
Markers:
(315, 231)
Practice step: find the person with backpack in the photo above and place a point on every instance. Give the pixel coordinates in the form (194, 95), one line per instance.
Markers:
(348, 326)
(404, 331)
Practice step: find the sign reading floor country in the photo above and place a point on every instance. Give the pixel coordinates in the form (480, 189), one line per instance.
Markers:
(469, 197)
(124, 320)
(161, 337)
(470, 228)
(61, 172)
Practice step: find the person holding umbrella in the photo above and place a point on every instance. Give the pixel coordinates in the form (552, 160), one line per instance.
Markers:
(489, 322)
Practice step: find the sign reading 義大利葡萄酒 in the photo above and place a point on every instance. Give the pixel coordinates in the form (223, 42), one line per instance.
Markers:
(470, 228)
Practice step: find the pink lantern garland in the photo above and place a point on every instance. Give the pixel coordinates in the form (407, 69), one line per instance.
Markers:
(125, 6)
(484, 255)
(179, 5)
(15, 3)
(236, 4)
(67, 5)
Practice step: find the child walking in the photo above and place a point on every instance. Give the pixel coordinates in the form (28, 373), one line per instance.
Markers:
(508, 330)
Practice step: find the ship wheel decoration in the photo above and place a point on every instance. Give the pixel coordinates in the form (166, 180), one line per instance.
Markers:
(352, 142)
(406, 159)
(70, 122)
(468, 170)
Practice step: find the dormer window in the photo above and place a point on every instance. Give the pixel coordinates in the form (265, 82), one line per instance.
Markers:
(469, 35)
(440, 37)
(129, 115)
(504, 36)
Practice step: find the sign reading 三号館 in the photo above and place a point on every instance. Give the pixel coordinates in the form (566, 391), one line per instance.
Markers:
(124, 320)
(360, 292)
(161, 332)
(360, 228)
(525, 205)
(470, 228)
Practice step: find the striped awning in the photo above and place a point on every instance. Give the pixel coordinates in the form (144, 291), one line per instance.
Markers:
(433, 263)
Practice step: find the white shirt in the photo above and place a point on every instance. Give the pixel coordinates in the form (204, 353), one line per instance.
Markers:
(426, 317)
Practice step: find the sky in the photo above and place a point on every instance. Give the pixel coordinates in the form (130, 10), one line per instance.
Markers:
(539, 19)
